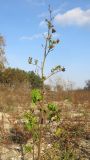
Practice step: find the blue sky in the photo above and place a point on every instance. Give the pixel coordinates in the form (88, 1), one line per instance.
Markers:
(22, 25)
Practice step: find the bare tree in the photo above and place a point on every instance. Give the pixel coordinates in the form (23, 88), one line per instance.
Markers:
(3, 59)
(87, 86)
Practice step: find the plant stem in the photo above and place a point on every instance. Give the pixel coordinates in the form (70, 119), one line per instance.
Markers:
(39, 144)
(33, 149)
(46, 51)
(22, 153)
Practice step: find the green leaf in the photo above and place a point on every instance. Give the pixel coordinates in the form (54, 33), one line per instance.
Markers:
(30, 121)
(52, 107)
(50, 116)
(35, 135)
(27, 149)
(36, 95)
(57, 69)
(28, 126)
(58, 132)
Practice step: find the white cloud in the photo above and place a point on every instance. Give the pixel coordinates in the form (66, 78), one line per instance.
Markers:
(60, 9)
(42, 24)
(75, 16)
(37, 36)
(33, 37)
(54, 11)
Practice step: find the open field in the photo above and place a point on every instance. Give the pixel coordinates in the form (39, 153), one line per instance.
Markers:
(43, 116)
(74, 120)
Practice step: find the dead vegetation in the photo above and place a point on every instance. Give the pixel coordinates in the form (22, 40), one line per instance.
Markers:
(74, 121)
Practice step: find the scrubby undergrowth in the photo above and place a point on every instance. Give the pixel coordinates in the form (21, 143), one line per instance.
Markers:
(74, 139)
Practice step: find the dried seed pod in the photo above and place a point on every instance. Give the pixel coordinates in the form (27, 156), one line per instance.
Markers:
(63, 69)
(58, 40)
(49, 36)
(30, 60)
(54, 42)
(51, 46)
(53, 30)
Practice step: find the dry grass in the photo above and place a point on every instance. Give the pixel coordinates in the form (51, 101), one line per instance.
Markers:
(11, 99)
(19, 96)
(74, 108)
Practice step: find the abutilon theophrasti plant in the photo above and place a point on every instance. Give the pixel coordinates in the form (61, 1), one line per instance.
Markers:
(41, 116)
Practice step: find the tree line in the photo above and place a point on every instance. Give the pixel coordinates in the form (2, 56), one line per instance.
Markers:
(15, 76)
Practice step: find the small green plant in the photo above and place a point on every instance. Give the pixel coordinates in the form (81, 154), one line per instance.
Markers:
(36, 95)
(42, 115)
(52, 107)
(31, 125)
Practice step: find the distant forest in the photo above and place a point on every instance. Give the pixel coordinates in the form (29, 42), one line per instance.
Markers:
(15, 76)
